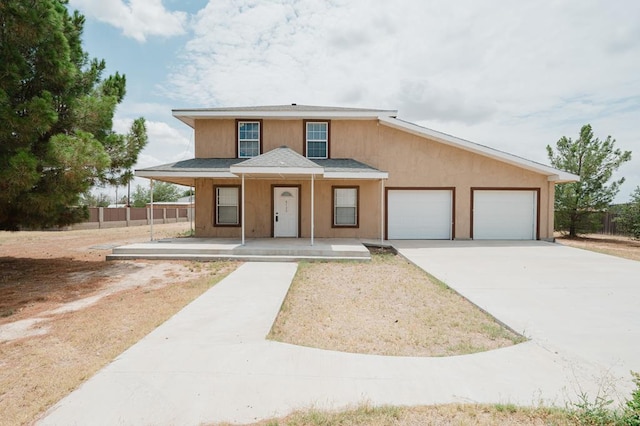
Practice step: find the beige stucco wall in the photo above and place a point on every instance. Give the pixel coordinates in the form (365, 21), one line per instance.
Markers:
(410, 160)
(215, 138)
(277, 133)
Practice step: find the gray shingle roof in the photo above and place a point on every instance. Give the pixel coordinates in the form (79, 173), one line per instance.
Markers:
(196, 165)
(279, 157)
(344, 165)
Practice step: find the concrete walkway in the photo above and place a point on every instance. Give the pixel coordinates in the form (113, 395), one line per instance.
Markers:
(210, 363)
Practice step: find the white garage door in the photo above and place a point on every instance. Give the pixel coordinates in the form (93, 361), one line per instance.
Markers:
(419, 214)
(504, 215)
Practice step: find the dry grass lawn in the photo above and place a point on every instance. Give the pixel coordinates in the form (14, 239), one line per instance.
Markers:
(441, 415)
(614, 245)
(386, 307)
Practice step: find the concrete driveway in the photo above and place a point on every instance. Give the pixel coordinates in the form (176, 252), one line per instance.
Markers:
(581, 305)
(211, 362)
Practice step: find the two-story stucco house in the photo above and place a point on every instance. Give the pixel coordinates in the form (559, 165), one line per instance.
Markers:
(304, 171)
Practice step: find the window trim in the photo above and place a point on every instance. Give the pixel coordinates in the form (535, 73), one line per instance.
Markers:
(238, 122)
(306, 141)
(215, 207)
(333, 206)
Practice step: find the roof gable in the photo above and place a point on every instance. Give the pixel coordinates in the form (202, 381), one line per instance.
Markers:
(552, 174)
(280, 160)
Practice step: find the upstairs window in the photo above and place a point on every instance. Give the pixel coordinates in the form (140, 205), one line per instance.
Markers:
(345, 207)
(317, 139)
(248, 139)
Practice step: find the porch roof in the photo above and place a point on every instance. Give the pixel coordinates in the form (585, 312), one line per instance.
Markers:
(280, 161)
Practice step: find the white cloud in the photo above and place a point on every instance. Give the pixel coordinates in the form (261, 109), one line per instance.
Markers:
(137, 19)
(445, 61)
(513, 75)
(166, 143)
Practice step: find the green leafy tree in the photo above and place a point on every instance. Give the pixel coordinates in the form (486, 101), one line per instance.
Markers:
(594, 161)
(56, 114)
(90, 200)
(629, 215)
(162, 192)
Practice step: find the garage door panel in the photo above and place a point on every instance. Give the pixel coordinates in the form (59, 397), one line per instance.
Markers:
(504, 215)
(419, 214)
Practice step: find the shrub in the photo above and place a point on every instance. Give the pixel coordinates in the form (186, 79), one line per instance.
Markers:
(629, 218)
(631, 414)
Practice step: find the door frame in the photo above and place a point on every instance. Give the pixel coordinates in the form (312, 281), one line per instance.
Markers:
(273, 207)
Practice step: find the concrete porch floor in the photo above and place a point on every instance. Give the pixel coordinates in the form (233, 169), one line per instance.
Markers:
(258, 249)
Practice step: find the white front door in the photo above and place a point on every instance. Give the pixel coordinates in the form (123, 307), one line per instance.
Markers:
(285, 212)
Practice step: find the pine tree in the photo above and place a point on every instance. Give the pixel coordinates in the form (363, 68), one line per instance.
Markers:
(594, 161)
(56, 137)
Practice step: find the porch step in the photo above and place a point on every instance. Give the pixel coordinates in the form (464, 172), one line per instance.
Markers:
(245, 258)
(254, 250)
(189, 248)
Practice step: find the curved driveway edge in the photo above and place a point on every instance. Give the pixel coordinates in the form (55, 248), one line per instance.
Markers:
(211, 363)
(582, 305)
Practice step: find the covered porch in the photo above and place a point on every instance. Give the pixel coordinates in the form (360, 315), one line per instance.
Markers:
(281, 194)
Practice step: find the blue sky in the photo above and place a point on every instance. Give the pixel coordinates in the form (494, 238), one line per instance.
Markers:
(515, 76)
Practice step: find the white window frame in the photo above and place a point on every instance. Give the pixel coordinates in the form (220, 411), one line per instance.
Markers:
(325, 140)
(227, 203)
(248, 140)
(345, 198)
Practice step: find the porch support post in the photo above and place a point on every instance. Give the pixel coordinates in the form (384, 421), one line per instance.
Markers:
(151, 204)
(312, 196)
(190, 208)
(381, 211)
(242, 208)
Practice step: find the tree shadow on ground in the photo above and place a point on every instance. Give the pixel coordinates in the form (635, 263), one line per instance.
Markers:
(27, 282)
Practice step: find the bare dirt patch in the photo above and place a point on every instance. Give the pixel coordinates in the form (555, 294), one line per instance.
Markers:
(66, 312)
(615, 245)
(40, 270)
(385, 307)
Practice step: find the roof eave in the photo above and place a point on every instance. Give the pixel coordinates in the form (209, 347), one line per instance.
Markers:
(276, 170)
(563, 177)
(157, 174)
(189, 116)
(356, 175)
